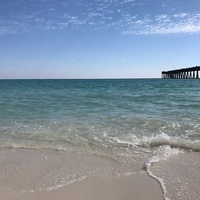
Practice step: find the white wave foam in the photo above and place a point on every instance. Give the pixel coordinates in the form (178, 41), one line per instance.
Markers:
(60, 185)
(160, 154)
(174, 141)
(154, 141)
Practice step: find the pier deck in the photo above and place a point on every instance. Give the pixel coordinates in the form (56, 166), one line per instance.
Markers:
(184, 73)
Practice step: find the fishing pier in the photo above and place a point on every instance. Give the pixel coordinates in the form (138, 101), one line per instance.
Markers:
(184, 73)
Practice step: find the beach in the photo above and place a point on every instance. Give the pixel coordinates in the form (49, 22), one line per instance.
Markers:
(24, 173)
(44, 174)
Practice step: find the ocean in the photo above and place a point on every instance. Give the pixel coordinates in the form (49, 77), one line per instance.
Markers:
(141, 124)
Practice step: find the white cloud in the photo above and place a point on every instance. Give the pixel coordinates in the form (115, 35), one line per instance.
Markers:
(181, 15)
(119, 15)
(164, 24)
(127, 1)
(161, 17)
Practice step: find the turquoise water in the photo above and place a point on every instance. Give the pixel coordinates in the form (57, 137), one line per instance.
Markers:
(99, 114)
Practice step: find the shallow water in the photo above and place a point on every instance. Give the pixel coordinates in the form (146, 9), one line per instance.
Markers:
(138, 123)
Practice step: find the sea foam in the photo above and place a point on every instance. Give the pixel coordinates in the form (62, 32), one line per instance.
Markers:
(159, 154)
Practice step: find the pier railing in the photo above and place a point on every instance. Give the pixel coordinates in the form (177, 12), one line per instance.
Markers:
(184, 73)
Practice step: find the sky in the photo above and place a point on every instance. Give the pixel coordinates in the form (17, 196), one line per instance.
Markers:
(97, 38)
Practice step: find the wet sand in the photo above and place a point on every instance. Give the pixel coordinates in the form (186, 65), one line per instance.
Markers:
(134, 187)
(20, 171)
(181, 175)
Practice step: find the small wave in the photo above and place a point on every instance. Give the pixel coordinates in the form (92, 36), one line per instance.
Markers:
(156, 141)
(175, 142)
(97, 143)
(162, 153)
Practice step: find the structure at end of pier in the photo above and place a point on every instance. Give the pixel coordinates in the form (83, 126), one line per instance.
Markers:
(184, 73)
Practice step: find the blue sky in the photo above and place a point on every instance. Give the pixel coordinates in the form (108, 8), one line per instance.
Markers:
(97, 39)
